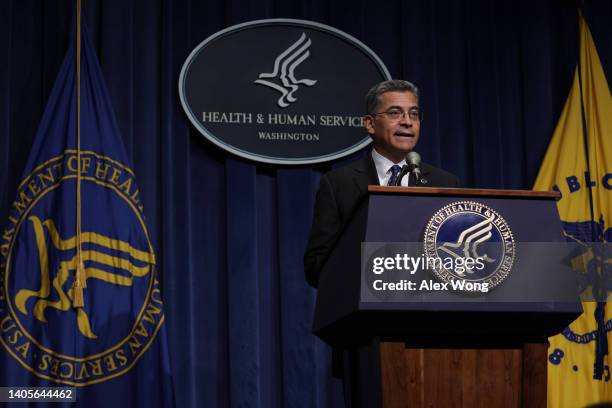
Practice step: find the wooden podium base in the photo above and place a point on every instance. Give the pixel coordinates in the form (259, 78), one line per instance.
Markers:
(463, 377)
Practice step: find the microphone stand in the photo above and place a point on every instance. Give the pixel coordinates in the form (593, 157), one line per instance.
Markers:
(403, 172)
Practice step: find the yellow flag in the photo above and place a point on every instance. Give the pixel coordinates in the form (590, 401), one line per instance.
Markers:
(585, 208)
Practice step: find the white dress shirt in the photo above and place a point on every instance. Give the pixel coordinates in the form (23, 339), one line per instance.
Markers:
(383, 168)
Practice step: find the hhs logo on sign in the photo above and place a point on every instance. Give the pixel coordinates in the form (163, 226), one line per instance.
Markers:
(284, 67)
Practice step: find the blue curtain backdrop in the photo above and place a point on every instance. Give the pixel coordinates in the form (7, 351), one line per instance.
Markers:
(230, 233)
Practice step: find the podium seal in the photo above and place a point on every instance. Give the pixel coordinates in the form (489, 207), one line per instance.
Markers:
(474, 237)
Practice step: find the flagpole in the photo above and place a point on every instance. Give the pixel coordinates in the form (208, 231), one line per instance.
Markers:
(584, 129)
(80, 279)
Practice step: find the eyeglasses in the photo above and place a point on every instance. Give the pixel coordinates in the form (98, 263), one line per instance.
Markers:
(396, 114)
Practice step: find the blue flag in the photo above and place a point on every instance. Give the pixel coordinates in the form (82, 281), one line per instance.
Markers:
(113, 347)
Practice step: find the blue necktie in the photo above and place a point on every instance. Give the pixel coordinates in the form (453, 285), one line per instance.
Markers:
(395, 171)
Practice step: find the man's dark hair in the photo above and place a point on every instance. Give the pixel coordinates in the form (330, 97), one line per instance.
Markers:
(395, 85)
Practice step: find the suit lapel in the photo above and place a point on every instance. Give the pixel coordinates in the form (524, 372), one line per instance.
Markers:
(365, 174)
(424, 169)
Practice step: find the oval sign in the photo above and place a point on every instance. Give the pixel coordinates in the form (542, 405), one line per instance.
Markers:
(281, 91)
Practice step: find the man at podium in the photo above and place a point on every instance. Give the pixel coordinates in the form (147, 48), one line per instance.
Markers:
(393, 120)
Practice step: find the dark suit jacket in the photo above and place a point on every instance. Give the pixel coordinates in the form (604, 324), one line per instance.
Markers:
(339, 193)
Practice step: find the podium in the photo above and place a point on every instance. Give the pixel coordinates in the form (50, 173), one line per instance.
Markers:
(447, 348)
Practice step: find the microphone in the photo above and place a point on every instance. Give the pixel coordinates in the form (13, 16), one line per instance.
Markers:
(414, 162)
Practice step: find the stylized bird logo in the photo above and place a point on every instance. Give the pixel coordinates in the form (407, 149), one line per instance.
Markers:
(284, 67)
(124, 271)
(469, 240)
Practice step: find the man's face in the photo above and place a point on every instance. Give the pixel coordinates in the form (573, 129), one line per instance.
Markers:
(394, 138)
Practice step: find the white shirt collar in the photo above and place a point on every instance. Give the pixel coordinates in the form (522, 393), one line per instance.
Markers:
(383, 165)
